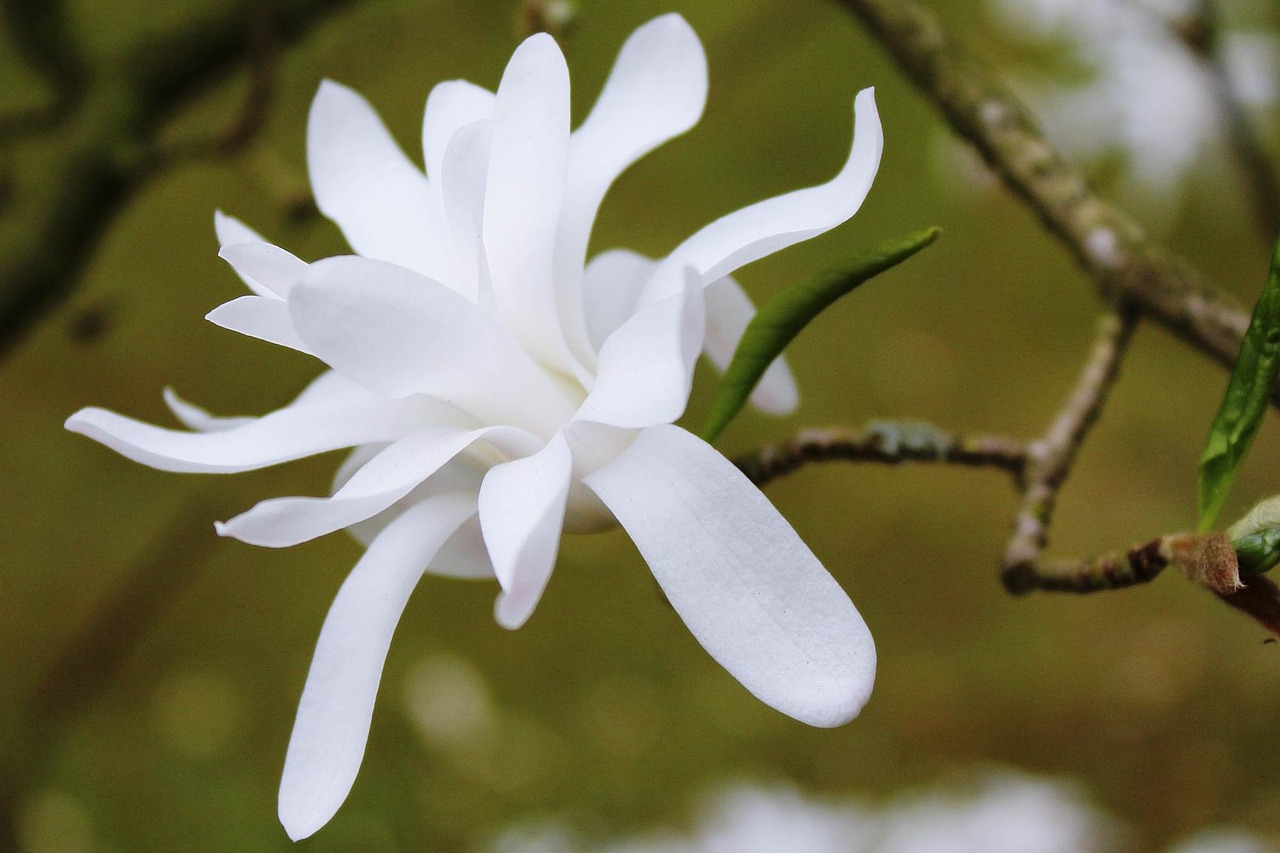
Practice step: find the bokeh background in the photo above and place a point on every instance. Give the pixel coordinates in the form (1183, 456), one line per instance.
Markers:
(149, 670)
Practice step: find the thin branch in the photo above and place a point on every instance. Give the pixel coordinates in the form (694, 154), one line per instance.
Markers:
(106, 149)
(1201, 32)
(1051, 457)
(1115, 570)
(1126, 266)
(886, 442)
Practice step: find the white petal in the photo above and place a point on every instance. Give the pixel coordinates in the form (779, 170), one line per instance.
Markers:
(768, 226)
(656, 91)
(231, 231)
(399, 333)
(332, 725)
(452, 105)
(646, 366)
(525, 189)
(193, 417)
(462, 189)
(332, 387)
(383, 480)
(742, 580)
(611, 285)
(522, 507)
(268, 265)
(464, 555)
(263, 317)
(289, 433)
(365, 183)
(729, 310)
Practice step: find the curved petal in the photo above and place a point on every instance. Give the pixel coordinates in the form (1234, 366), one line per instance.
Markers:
(464, 555)
(451, 106)
(768, 226)
(655, 92)
(383, 480)
(741, 579)
(232, 231)
(364, 183)
(332, 387)
(289, 433)
(193, 417)
(462, 188)
(525, 189)
(646, 366)
(399, 334)
(611, 285)
(729, 310)
(332, 726)
(263, 317)
(522, 507)
(268, 265)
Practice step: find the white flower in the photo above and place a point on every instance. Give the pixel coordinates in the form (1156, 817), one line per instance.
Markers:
(497, 392)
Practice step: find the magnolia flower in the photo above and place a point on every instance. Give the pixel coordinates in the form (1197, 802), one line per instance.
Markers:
(500, 390)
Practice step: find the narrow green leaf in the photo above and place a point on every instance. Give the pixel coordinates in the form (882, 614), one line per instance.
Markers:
(1245, 402)
(777, 323)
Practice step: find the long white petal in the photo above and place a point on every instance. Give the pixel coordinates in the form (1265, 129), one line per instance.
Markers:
(364, 183)
(741, 579)
(611, 285)
(522, 507)
(268, 265)
(462, 189)
(525, 190)
(383, 480)
(289, 433)
(451, 106)
(768, 226)
(464, 556)
(399, 333)
(646, 366)
(263, 317)
(231, 231)
(332, 726)
(656, 91)
(729, 310)
(193, 417)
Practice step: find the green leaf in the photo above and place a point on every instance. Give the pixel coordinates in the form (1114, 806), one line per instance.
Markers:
(1258, 552)
(777, 323)
(1245, 402)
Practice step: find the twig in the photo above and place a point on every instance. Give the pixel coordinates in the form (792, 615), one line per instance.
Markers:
(1201, 33)
(1116, 570)
(106, 149)
(1050, 458)
(886, 442)
(1127, 267)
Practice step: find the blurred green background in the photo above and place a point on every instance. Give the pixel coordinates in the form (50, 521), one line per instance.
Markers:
(151, 670)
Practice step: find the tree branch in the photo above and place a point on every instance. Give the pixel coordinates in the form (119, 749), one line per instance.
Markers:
(106, 149)
(1051, 457)
(888, 442)
(1127, 267)
(1201, 32)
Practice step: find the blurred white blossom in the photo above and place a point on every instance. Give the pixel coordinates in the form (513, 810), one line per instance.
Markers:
(499, 389)
(1144, 94)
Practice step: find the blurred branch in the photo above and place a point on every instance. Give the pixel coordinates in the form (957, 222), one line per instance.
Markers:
(887, 442)
(1201, 32)
(1050, 458)
(106, 147)
(39, 32)
(1127, 267)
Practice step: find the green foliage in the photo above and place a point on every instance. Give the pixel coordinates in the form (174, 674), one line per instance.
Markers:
(1245, 402)
(777, 323)
(1258, 552)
